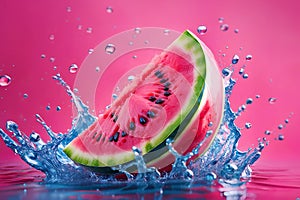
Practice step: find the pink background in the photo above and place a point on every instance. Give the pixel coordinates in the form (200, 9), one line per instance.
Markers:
(268, 30)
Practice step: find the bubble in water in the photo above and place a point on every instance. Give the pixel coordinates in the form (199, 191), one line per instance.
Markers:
(224, 27)
(5, 80)
(58, 108)
(236, 30)
(97, 69)
(249, 101)
(202, 29)
(130, 78)
(166, 31)
(272, 100)
(248, 125)
(280, 126)
(267, 132)
(221, 19)
(245, 76)
(137, 30)
(48, 107)
(25, 96)
(51, 37)
(69, 9)
(235, 59)
(249, 57)
(90, 51)
(110, 49)
(73, 68)
(280, 137)
(89, 30)
(109, 9)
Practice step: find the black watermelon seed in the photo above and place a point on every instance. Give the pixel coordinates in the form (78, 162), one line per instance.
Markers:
(152, 98)
(131, 126)
(111, 138)
(163, 80)
(159, 101)
(98, 138)
(166, 89)
(123, 134)
(157, 73)
(115, 119)
(167, 93)
(116, 136)
(167, 84)
(143, 120)
(150, 114)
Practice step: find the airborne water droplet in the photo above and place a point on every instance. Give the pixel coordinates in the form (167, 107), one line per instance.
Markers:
(226, 71)
(58, 108)
(235, 59)
(89, 30)
(90, 51)
(69, 9)
(249, 57)
(25, 96)
(110, 49)
(51, 37)
(280, 126)
(221, 19)
(224, 27)
(73, 68)
(280, 137)
(137, 30)
(43, 56)
(166, 31)
(236, 30)
(267, 132)
(286, 121)
(5, 80)
(114, 96)
(48, 107)
(249, 101)
(202, 29)
(97, 69)
(272, 100)
(109, 9)
(248, 125)
(245, 76)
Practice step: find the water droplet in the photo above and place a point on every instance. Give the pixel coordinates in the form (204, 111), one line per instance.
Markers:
(69, 9)
(272, 100)
(73, 68)
(51, 37)
(249, 101)
(110, 49)
(134, 57)
(248, 125)
(52, 59)
(130, 43)
(235, 59)
(286, 121)
(5, 80)
(58, 108)
(257, 96)
(236, 30)
(79, 27)
(280, 126)
(280, 137)
(114, 96)
(89, 30)
(241, 71)
(224, 27)
(107, 107)
(34, 137)
(211, 176)
(130, 78)
(249, 57)
(54, 67)
(90, 51)
(25, 96)
(210, 124)
(109, 9)
(202, 29)
(267, 132)
(166, 32)
(221, 19)
(226, 71)
(48, 107)
(97, 69)
(146, 42)
(208, 133)
(43, 56)
(245, 76)
(137, 30)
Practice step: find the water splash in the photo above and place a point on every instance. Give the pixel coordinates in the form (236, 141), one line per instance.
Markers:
(222, 161)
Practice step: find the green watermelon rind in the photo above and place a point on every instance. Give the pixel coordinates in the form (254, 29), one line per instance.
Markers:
(190, 45)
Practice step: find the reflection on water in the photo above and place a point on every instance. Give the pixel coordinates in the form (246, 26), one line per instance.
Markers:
(22, 182)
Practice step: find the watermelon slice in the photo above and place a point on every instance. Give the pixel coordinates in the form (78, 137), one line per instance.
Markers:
(177, 95)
